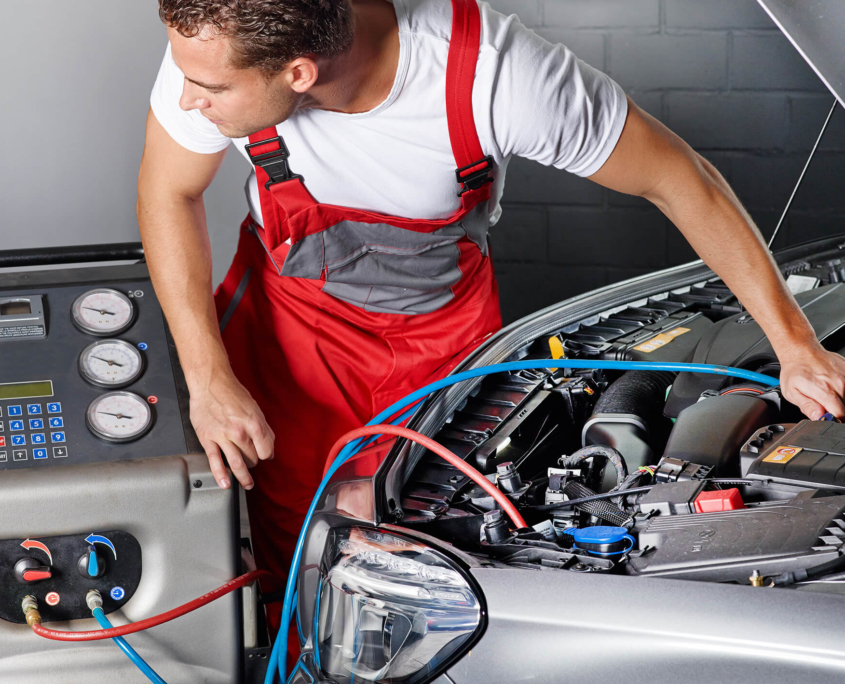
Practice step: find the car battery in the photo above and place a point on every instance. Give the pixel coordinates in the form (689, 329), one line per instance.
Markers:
(806, 454)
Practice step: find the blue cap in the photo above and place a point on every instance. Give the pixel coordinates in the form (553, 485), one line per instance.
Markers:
(598, 535)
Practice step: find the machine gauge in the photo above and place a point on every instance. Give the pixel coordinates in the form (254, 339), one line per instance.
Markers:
(119, 417)
(111, 363)
(103, 312)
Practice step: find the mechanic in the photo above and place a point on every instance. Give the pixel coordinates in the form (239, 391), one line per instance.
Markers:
(360, 273)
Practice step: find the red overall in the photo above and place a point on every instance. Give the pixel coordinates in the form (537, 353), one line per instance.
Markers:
(356, 312)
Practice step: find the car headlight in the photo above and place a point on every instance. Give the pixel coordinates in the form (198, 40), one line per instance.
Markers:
(390, 609)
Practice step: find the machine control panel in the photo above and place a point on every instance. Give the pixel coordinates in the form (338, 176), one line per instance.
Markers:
(100, 384)
(60, 571)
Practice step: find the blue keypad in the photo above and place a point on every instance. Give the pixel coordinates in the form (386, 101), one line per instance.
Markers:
(54, 407)
(57, 437)
(33, 409)
(18, 440)
(57, 422)
(16, 425)
(15, 411)
(38, 438)
(39, 453)
(36, 423)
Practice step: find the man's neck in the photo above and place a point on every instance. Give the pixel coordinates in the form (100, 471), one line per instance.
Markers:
(361, 78)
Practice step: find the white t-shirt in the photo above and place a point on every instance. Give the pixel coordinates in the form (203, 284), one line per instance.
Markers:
(531, 98)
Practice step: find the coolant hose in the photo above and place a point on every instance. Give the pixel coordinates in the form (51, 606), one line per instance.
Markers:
(610, 455)
(278, 663)
(130, 652)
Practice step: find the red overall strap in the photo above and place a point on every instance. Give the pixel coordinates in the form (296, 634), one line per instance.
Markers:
(270, 209)
(460, 77)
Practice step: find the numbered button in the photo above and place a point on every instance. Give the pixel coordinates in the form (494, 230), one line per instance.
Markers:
(15, 411)
(38, 454)
(19, 455)
(18, 440)
(54, 407)
(38, 438)
(33, 409)
(59, 452)
(36, 423)
(57, 437)
(16, 425)
(2, 426)
(57, 422)
(2, 441)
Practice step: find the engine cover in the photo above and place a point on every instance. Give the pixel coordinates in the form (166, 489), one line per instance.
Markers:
(728, 547)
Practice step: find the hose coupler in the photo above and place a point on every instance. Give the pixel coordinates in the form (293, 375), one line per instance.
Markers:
(94, 599)
(30, 610)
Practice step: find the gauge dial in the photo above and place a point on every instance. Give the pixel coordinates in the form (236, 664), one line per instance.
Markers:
(111, 363)
(119, 417)
(103, 312)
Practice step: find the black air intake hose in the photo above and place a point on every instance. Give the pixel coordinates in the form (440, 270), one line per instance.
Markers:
(637, 393)
(601, 509)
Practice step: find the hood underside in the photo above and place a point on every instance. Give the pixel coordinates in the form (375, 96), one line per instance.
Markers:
(816, 29)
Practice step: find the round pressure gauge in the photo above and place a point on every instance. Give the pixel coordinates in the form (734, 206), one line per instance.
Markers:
(119, 417)
(103, 312)
(111, 363)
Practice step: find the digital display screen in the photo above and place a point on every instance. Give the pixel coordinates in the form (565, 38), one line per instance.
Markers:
(26, 390)
(14, 308)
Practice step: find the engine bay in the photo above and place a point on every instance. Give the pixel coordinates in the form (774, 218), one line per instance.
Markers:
(651, 473)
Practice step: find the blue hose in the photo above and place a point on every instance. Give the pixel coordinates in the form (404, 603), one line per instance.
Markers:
(140, 663)
(277, 660)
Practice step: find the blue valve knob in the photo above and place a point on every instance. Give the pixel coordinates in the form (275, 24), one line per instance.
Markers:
(91, 565)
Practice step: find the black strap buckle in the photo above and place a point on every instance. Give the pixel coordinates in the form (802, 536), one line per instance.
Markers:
(478, 178)
(275, 162)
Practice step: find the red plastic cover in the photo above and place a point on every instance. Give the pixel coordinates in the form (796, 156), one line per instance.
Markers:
(721, 500)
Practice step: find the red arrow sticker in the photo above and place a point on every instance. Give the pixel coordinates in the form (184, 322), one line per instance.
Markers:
(41, 546)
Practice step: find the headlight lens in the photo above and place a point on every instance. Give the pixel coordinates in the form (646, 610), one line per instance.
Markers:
(390, 609)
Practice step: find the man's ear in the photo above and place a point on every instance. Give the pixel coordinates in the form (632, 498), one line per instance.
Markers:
(301, 74)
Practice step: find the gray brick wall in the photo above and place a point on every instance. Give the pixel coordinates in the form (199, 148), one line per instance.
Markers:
(720, 74)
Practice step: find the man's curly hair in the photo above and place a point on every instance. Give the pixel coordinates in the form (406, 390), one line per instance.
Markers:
(266, 34)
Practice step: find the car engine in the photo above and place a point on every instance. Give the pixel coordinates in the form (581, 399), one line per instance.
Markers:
(649, 473)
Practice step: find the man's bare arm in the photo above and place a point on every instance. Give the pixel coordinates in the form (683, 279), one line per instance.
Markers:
(171, 215)
(652, 162)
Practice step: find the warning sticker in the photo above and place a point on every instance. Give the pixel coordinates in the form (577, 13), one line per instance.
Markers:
(661, 340)
(782, 454)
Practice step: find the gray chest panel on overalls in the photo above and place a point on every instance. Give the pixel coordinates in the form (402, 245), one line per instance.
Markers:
(385, 269)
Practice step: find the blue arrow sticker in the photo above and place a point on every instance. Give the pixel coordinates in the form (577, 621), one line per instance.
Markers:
(97, 539)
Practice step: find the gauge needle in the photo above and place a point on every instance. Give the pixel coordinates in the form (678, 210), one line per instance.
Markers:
(116, 415)
(100, 311)
(111, 363)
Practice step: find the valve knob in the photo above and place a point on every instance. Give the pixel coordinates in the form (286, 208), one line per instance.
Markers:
(29, 570)
(91, 565)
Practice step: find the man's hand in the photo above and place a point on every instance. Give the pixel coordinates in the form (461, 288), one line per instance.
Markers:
(228, 422)
(813, 379)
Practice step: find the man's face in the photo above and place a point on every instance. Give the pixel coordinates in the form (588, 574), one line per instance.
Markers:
(239, 102)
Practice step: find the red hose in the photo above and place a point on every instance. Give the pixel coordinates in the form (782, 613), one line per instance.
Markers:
(97, 634)
(441, 451)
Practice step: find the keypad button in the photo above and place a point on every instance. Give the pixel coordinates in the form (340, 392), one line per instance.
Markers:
(2, 426)
(19, 455)
(1, 411)
(18, 440)
(2, 441)
(15, 411)
(33, 409)
(54, 407)
(4, 457)
(59, 452)
(39, 453)
(38, 438)
(36, 423)
(57, 437)
(57, 422)
(16, 425)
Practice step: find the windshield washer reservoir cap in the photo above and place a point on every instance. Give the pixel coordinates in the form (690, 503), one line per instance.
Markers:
(598, 535)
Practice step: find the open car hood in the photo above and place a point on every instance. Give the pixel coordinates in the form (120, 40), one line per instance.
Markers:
(816, 28)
